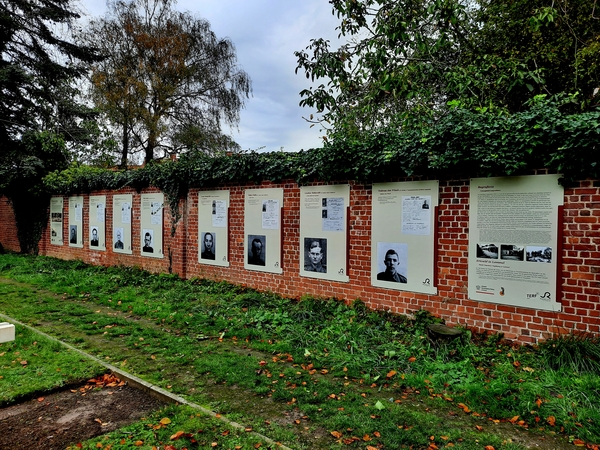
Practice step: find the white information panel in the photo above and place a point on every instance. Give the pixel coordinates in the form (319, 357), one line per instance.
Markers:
(513, 240)
(323, 232)
(213, 228)
(56, 220)
(121, 238)
(262, 229)
(403, 236)
(151, 226)
(97, 213)
(76, 222)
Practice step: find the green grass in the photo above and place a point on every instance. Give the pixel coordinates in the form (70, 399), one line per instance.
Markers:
(178, 427)
(32, 364)
(347, 369)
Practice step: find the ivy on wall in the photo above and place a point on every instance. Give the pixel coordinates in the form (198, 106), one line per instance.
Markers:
(465, 143)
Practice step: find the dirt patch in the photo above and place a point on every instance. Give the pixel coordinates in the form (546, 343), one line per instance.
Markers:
(65, 417)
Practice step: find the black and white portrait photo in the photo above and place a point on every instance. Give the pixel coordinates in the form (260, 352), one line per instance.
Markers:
(148, 236)
(257, 249)
(315, 255)
(94, 237)
(73, 234)
(392, 262)
(118, 239)
(208, 246)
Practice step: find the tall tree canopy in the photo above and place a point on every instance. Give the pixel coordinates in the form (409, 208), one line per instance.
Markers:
(167, 82)
(417, 58)
(38, 114)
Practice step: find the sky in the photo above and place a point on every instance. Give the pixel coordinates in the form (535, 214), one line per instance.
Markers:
(266, 33)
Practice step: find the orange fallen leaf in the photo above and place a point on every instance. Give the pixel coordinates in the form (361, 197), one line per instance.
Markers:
(139, 443)
(412, 359)
(225, 433)
(336, 434)
(177, 435)
(538, 402)
(165, 421)
(391, 373)
(367, 438)
(578, 443)
(514, 419)
(370, 447)
(40, 399)
(377, 434)
(489, 447)
(551, 420)
(479, 427)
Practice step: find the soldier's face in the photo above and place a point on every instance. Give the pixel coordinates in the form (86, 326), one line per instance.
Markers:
(391, 263)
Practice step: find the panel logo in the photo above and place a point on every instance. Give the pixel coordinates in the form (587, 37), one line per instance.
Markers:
(546, 296)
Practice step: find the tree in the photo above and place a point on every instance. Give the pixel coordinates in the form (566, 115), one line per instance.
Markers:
(167, 81)
(418, 58)
(38, 115)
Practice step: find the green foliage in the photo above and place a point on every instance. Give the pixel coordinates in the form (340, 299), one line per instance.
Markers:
(462, 143)
(578, 352)
(405, 60)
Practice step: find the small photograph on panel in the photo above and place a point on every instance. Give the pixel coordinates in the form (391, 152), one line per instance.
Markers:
(539, 254)
(257, 249)
(487, 251)
(208, 246)
(56, 217)
(148, 241)
(512, 252)
(73, 234)
(93, 236)
(315, 259)
(118, 239)
(392, 262)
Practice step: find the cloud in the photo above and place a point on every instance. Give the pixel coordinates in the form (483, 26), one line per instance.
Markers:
(266, 33)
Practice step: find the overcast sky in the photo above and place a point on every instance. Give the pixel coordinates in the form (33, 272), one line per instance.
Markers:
(266, 33)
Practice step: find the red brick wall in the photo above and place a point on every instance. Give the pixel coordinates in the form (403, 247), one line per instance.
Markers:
(8, 228)
(579, 285)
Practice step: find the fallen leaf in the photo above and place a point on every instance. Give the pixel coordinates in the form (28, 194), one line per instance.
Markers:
(489, 447)
(412, 359)
(23, 363)
(366, 438)
(40, 399)
(336, 434)
(225, 433)
(479, 427)
(177, 435)
(578, 443)
(165, 421)
(139, 443)
(391, 373)
(514, 419)
(370, 447)
(538, 402)
(377, 434)
(551, 420)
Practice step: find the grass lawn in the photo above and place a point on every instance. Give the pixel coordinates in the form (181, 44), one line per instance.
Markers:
(310, 373)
